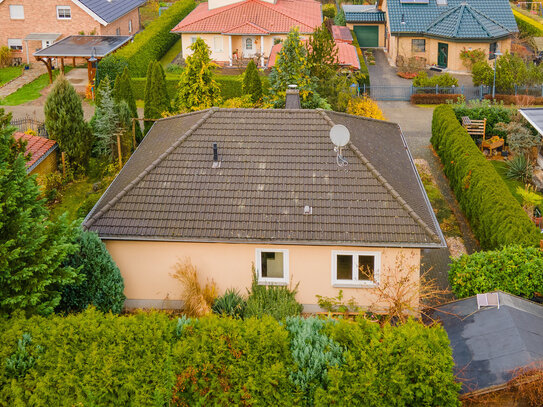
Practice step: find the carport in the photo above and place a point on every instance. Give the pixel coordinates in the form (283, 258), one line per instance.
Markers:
(90, 47)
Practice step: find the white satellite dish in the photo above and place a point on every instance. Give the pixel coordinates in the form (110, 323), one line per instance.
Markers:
(340, 136)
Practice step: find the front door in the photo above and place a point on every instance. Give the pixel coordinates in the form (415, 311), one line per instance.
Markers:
(249, 48)
(442, 54)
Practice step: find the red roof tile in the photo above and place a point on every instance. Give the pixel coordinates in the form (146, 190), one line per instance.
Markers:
(342, 34)
(346, 55)
(271, 18)
(247, 28)
(37, 147)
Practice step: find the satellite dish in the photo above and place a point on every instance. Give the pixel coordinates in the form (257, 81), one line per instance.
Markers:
(340, 136)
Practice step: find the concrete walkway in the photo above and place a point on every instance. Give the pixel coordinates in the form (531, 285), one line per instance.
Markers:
(28, 76)
(416, 125)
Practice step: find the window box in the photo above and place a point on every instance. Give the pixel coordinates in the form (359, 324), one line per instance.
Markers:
(272, 266)
(355, 269)
(64, 13)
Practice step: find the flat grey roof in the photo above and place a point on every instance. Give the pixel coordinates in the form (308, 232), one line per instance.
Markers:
(42, 36)
(83, 46)
(534, 117)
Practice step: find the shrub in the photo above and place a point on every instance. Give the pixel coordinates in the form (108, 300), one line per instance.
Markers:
(339, 18)
(239, 102)
(5, 56)
(364, 106)
(20, 362)
(518, 100)
(101, 283)
(406, 365)
(153, 42)
(513, 269)
(527, 26)
(520, 169)
(482, 73)
(223, 361)
(495, 216)
(277, 301)
(434, 99)
(444, 80)
(252, 84)
(198, 299)
(479, 110)
(519, 138)
(110, 67)
(471, 57)
(329, 10)
(230, 304)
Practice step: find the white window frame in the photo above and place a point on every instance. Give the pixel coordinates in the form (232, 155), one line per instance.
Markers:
(64, 8)
(272, 280)
(118, 31)
(13, 14)
(15, 42)
(215, 48)
(130, 26)
(355, 282)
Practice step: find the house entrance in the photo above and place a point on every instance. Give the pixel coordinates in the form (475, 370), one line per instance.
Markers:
(249, 48)
(442, 54)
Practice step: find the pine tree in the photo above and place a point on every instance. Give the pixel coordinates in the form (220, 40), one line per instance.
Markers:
(157, 100)
(123, 91)
(65, 122)
(32, 248)
(101, 284)
(252, 85)
(339, 19)
(292, 68)
(197, 87)
(322, 54)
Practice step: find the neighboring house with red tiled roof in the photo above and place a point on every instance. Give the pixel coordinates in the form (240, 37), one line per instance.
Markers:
(342, 34)
(346, 56)
(42, 152)
(235, 29)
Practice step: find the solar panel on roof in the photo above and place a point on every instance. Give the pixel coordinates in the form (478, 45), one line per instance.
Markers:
(414, 1)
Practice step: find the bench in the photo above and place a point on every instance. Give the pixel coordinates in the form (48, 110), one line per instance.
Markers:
(475, 128)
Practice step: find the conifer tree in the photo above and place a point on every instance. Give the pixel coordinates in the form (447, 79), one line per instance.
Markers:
(65, 122)
(197, 87)
(157, 100)
(123, 91)
(32, 248)
(292, 68)
(252, 85)
(147, 97)
(322, 54)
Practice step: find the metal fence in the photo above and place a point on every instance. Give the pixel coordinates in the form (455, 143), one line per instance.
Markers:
(28, 123)
(404, 92)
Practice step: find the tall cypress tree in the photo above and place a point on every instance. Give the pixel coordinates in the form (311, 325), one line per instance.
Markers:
(157, 100)
(197, 86)
(65, 122)
(32, 248)
(147, 108)
(252, 84)
(123, 91)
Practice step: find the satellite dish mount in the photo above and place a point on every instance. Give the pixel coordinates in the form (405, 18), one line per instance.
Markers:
(340, 136)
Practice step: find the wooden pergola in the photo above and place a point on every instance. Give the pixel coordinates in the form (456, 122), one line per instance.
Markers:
(92, 48)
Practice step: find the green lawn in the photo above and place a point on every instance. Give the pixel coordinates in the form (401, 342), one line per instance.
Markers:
(9, 73)
(30, 91)
(171, 54)
(501, 169)
(73, 195)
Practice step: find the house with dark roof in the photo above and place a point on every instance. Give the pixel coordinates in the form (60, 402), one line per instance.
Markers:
(42, 153)
(492, 336)
(237, 189)
(436, 30)
(237, 29)
(30, 25)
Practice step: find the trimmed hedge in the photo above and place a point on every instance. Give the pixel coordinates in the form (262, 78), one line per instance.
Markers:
(154, 41)
(433, 99)
(231, 86)
(518, 100)
(527, 26)
(514, 269)
(150, 359)
(496, 217)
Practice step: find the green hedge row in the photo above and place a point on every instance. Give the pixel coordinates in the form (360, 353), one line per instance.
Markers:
(231, 86)
(154, 41)
(495, 215)
(149, 359)
(527, 26)
(514, 269)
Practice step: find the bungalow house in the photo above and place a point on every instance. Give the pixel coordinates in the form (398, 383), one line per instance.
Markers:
(233, 189)
(236, 29)
(42, 153)
(437, 30)
(29, 25)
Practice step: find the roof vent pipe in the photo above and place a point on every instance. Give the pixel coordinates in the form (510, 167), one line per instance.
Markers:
(216, 162)
(292, 100)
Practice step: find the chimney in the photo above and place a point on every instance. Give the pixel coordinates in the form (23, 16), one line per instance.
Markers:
(292, 100)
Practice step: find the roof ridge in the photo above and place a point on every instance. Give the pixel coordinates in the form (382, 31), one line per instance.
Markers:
(371, 119)
(405, 206)
(218, 11)
(149, 168)
(442, 17)
(247, 23)
(473, 10)
(460, 14)
(270, 6)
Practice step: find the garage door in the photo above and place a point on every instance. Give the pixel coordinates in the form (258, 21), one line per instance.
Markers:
(367, 35)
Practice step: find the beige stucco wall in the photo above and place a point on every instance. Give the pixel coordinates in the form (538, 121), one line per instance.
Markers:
(147, 268)
(402, 46)
(381, 30)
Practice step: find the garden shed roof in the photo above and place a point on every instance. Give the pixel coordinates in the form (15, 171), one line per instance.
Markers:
(84, 46)
(363, 14)
(273, 164)
(490, 342)
(37, 147)
(534, 116)
(455, 19)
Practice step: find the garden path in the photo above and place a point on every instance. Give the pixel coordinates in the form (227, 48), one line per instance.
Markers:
(416, 123)
(28, 76)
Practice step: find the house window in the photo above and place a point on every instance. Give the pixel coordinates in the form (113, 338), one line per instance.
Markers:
(418, 45)
(249, 44)
(272, 266)
(16, 12)
(15, 44)
(130, 26)
(217, 44)
(118, 31)
(193, 39)
(64, 12)
(277, 40)
(492, 50)
(355, 269)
